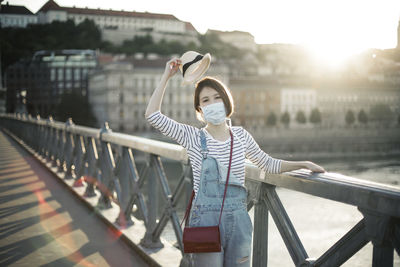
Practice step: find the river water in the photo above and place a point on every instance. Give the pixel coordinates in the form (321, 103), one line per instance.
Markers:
(319, 222)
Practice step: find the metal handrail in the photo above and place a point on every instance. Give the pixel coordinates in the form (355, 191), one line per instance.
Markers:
(76, 145)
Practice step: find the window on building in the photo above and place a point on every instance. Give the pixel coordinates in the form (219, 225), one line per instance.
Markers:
(84, 73)
(60, 74)
(68, 74)
(52, 75)
(77, 74)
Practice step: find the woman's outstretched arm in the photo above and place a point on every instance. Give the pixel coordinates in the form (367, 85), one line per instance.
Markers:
(273, 165)
(287, 166)
(156, 98)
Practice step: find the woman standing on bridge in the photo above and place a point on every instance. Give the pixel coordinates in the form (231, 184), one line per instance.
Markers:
(213, 104)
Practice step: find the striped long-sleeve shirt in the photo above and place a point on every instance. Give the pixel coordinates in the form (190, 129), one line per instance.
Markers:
(244, 146)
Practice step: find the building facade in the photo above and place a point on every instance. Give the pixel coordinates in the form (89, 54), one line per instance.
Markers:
(117, 26)
(335, 101)
(120, 91)
(239, 39)
(255, 99)
(16, 16)
(46, 77)
(294, 100)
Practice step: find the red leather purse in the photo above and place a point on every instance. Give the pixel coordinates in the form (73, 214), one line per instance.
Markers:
(205, 238)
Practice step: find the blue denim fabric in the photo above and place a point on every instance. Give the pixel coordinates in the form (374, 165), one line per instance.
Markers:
(235, 228)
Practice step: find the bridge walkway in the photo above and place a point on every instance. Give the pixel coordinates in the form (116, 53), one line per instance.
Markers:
(42, 223)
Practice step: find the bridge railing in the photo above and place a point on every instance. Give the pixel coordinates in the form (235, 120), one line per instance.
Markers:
(107, 162)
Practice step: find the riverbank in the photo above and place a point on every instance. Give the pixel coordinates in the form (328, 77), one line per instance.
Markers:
(330, 143)
(322, 143)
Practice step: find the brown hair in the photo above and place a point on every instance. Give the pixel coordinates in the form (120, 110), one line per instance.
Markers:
(218, 86)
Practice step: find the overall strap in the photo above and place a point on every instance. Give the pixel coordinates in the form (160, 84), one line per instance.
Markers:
(203, 141)
(204, 152)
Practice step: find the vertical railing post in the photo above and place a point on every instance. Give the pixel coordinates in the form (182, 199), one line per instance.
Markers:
(260, 241)
(152, 201)
(130, 190)
(55, 146)
(92, 171)
(285, 227)
(107, 166)
(44, 136)
(69, 149)
(60, 149)
(41, 136)
(49, 140)
(170, 203)
(379, 229)
(79, 159)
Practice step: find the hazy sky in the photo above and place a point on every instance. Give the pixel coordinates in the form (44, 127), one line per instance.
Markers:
(343, 26)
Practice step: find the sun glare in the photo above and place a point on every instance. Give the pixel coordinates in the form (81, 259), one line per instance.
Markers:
(332, 56)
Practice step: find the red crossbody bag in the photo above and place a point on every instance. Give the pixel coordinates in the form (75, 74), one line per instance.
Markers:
(205, 238)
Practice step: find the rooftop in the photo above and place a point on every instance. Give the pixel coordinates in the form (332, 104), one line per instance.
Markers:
(11, 9)
(52, 5)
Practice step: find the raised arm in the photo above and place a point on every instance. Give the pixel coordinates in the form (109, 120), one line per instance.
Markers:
(183, 134)
(155, 101)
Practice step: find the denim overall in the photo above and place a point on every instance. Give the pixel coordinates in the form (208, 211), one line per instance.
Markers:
(236, 227)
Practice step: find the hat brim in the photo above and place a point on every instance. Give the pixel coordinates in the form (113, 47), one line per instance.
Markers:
(196, 70)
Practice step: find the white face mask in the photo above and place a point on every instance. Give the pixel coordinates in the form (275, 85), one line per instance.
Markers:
(214, 113)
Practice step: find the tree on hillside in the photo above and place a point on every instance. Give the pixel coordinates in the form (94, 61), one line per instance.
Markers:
(349, 117)
(285, 119)
(315, 116)
(300, 117)
(381, 114)
(362, 117)
(75, 106)
(271, 119)
(138, 44)
(18, 43)
(211, 43)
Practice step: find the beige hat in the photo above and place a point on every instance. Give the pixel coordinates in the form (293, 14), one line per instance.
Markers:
(193, 66)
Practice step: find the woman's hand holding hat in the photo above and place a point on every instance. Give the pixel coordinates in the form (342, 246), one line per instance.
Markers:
(172, 67)
(193, 66)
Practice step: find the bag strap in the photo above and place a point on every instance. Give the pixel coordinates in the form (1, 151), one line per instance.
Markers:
(186, 217)
(227, 178)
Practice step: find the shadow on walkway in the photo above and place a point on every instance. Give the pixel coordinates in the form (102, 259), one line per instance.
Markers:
(43, 223)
